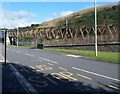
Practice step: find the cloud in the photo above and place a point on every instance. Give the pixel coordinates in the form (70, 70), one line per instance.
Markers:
(61, 14)
(54, 15)
(12, 19)
(65, 13)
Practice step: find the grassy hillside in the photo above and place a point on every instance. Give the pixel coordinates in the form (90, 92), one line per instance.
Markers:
(106, 14)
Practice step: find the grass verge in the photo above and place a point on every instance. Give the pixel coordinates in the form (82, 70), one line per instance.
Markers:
(106, 56)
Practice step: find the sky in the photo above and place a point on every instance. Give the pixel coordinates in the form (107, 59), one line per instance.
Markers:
(21, 14)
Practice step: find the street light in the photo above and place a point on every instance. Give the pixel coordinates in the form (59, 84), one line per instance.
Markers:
(17, 32)
(95, 28)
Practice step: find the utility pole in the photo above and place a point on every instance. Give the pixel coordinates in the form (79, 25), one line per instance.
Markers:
(17, 36)
(95, 28)
(66, 26)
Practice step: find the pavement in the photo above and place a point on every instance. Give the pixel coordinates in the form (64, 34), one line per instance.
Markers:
(10, 84)
(41, 71)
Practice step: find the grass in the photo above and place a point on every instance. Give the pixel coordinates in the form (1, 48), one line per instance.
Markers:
(106, 56)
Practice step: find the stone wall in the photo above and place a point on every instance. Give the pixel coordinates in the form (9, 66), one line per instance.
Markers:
(106, 48)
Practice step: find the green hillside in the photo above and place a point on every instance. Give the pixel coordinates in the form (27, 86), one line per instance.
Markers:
(107, 15)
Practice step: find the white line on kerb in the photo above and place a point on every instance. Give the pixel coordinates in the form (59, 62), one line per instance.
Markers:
(48, 60)
(96, 74)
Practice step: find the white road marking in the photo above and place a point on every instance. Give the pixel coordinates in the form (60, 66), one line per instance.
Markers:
(96, 74)
(29, 54)
(73, 55)
(19, 52)
(48, 60)
(1, 60)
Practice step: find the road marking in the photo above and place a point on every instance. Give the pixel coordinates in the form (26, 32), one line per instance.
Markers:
(62, 68)
(56, 75)
(50, 79)
(114, 87)
(96, 74)
(48, 60)
(28, 54)
(3, 59)
(50, 64)
(64, 75)
(19, 52)
(84, 76)
(37, 81)
(16, 62)
(37, 60)
(32, 67)
(69, 74)
(73, 55)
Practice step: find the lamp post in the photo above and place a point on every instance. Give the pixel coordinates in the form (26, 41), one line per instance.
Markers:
(17, 32)
(17, 36)
(95, 28)
(66, 27)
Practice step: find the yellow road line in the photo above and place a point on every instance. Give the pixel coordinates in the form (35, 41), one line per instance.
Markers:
(84, 76)
(50, 79)
(62, 68)
(50, 64)
(32, 67)
(69, 76)
(114, 87)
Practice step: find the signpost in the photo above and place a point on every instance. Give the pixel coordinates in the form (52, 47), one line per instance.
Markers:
(3, 36)
(5, 45)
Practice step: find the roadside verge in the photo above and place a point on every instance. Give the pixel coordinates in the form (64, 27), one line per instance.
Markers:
(103, 56)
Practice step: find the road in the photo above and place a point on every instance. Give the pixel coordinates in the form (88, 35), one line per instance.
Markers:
(49, 71)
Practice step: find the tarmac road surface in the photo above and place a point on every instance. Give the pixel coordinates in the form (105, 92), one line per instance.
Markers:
(48, 71)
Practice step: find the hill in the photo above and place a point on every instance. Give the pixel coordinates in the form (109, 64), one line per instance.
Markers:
(107, 14)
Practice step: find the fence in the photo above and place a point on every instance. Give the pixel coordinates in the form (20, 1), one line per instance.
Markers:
(25, 43)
